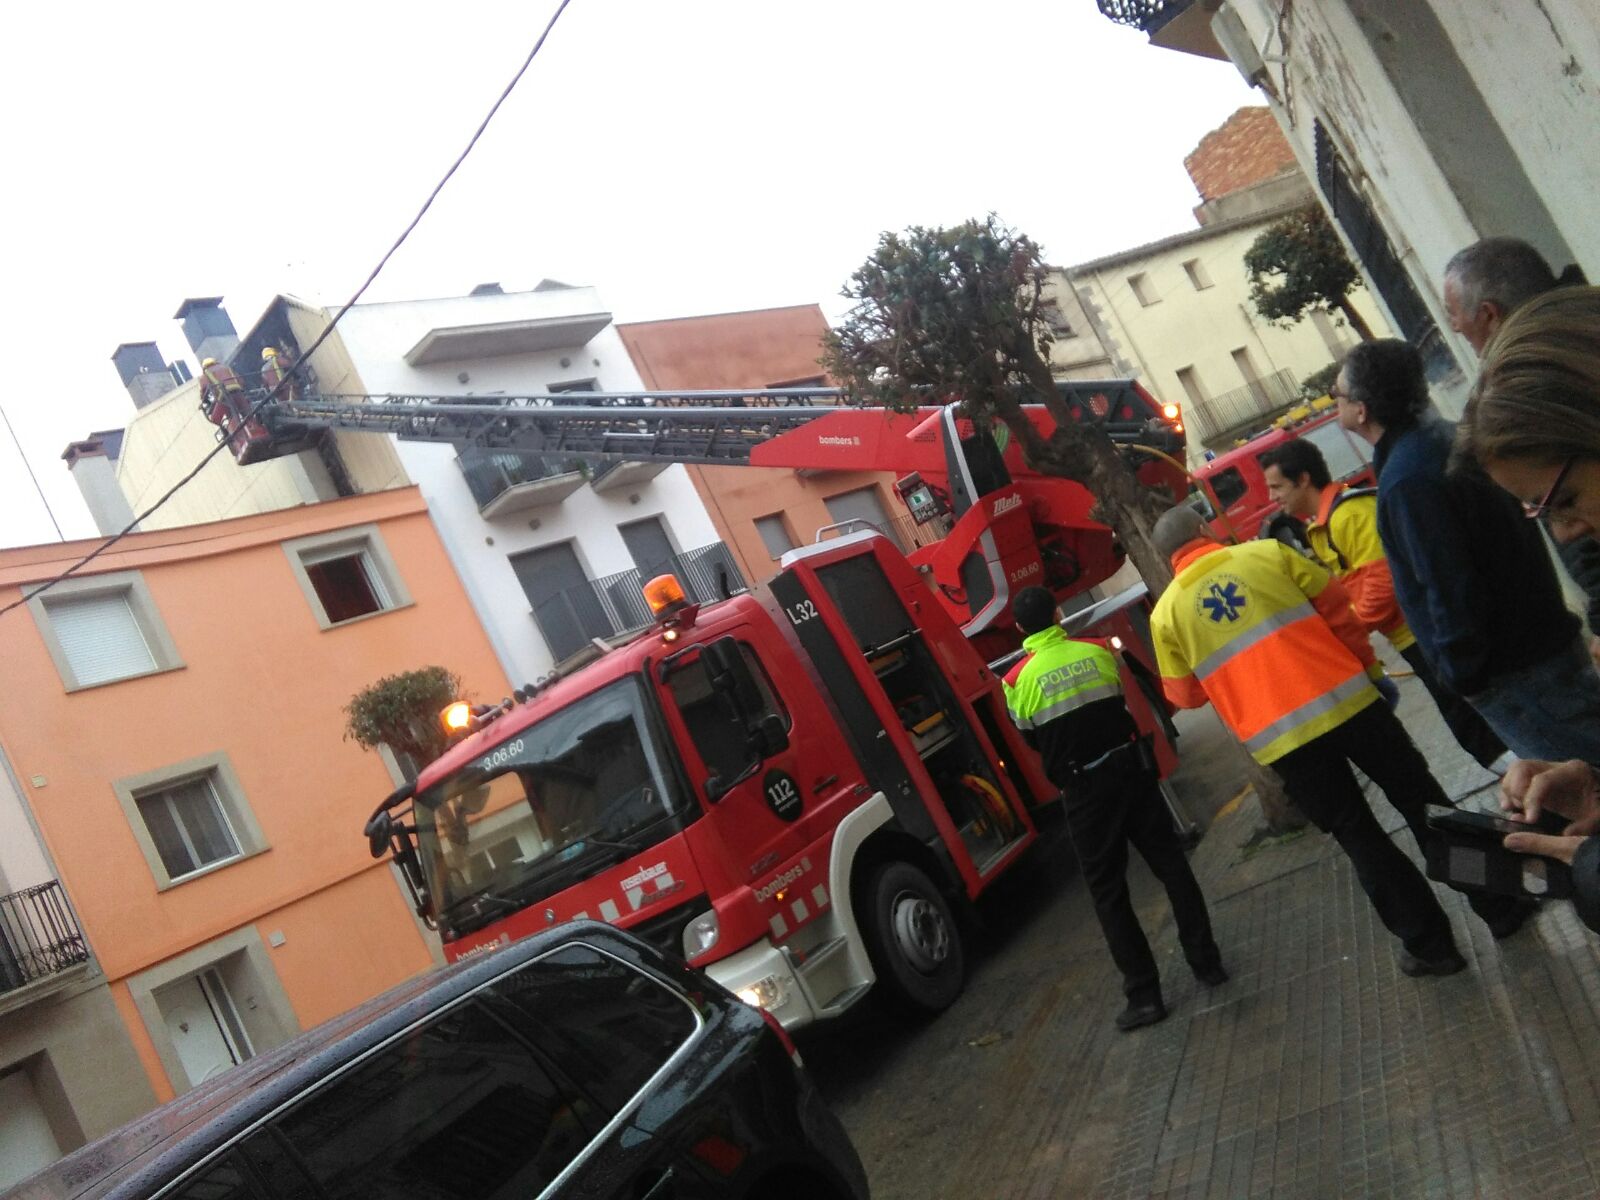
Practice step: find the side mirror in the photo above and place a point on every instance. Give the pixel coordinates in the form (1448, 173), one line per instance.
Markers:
(379, 831)
(716, 789)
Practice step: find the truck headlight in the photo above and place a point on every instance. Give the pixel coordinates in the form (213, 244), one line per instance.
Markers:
(700, 934)
(771, 993)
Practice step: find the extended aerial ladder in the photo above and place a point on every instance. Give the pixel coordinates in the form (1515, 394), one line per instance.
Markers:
(1002, 525)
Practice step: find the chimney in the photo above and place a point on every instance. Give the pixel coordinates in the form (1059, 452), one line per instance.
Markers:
(487, 289)
(208, 328)
(92, 463)
(145, 374)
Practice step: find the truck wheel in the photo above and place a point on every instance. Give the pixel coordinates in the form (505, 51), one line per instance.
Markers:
(912, 939)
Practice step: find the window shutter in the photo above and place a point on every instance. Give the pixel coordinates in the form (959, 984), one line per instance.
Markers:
(100, 637)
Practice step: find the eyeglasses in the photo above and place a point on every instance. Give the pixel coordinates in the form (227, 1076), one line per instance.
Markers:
(1547, 503)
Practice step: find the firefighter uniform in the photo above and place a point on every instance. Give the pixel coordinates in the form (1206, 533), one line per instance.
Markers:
(224, 393)
(1270, 639)
(1343, 536)
(1066, 697)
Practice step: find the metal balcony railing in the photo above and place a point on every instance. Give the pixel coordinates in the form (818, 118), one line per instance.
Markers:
(1244, 406)
(1145, 15)
(39, 936)
(490, 472)
(614, 605)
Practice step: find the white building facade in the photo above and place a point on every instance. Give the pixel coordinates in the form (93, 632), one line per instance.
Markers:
(1425, 127)
(551, 553)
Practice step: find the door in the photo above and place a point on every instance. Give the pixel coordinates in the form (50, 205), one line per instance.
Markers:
(786, 803)
(27, 1143)
(863, 504)
(204, 1025)
(649, 547)
(563, 598)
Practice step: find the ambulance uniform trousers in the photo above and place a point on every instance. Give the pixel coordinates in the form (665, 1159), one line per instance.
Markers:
(1321, 784)
(1465, 723)
(1107, 808)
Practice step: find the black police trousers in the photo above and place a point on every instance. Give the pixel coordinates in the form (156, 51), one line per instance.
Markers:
(1116, 804)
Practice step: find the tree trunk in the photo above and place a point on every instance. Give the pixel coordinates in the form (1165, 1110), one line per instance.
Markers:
(1357, 321)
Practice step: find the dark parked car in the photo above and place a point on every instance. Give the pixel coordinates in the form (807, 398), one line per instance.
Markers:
(579, 1062)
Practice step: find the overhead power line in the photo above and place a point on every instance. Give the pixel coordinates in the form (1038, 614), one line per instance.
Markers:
(226, 442)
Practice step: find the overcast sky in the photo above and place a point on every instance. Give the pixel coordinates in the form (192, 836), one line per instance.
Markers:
(683, 156)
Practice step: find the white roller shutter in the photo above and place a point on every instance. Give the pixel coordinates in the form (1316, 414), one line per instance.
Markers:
(100, 637)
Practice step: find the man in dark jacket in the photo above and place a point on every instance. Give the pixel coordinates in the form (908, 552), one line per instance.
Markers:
(1471, 572)
(1483, 285)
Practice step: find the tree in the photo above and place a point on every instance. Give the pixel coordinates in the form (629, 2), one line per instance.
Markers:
(402, 712)
(1298, 263)
(962, 313)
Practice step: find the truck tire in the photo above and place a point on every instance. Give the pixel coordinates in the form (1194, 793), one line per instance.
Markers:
(912, 939)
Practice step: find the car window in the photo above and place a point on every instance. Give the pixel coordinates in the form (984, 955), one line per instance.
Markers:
(718, 733)
(461, 1108)
(224, 1180)
(600, 1021)
(1229, 486)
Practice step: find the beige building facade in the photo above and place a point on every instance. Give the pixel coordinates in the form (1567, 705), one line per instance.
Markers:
(1176, 315)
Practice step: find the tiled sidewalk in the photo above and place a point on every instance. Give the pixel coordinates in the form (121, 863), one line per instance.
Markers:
(1318, 1071)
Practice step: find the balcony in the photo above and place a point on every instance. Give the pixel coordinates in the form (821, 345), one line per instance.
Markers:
(1220, 417)
(613, 606)
(504, 482)
(39, 936)
(467, 343)
(617, 474)
(1171, 24)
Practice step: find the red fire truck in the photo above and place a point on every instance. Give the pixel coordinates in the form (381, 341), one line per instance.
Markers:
(794, 788)
(1238, 481)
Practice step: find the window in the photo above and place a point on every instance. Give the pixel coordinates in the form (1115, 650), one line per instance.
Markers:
(102, 629)
(574, 385)
(1346, 454)
(718, 733)
(1191, 385)
(346, 575)
(1142, 289)
(1198, 276)
(189, 818)
(189, 827)
(1229, 486)
(774, 534)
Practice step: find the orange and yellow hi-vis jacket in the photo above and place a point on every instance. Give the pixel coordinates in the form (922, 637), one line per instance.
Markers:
(1344, 539)
(1268, 637)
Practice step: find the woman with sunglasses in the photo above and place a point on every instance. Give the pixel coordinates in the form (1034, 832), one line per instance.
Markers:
(1533, 424)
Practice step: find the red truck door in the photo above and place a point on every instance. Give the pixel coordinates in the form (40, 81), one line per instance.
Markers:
(784, 807)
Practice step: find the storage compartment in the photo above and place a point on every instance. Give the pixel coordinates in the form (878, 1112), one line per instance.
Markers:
(950, 751)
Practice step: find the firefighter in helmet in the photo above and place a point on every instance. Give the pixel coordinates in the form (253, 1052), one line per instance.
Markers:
(222, 395)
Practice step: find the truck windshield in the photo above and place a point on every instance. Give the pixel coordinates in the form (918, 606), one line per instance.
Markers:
(568, 796)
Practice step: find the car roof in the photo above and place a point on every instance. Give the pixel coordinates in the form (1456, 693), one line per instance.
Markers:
(214, 1112)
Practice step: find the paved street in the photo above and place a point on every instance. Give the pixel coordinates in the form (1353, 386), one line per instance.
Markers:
(1318, 1071)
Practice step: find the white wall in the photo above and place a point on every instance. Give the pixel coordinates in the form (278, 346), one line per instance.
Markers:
(1503, 86)
(377, 336)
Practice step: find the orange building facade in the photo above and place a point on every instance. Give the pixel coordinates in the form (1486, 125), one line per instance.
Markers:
(174, 717)
(762, 511)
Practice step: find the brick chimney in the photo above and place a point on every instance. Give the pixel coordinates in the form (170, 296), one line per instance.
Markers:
(1246, 153)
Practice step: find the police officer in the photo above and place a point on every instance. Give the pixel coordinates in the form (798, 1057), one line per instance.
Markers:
(1066, 697)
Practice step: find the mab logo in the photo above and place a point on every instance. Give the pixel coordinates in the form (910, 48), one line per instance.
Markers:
(1005, 504)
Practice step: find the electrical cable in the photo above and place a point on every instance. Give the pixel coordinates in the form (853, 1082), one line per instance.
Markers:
(226, 441)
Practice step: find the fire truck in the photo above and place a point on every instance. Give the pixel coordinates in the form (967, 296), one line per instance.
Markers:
(1238, 481)
(796, 788)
